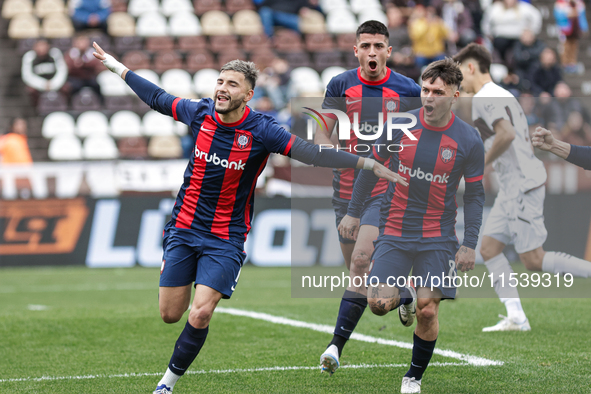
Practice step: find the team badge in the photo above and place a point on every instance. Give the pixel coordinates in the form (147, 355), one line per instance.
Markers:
(391, 105)
(447, 154)
(243, 141)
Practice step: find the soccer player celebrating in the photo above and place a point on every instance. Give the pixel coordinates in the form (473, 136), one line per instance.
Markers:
(579, 155)
(417, 223)
(517, 214)
(366, 91)
(204, 240)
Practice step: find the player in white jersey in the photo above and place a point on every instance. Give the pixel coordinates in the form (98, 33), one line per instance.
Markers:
(517, 215)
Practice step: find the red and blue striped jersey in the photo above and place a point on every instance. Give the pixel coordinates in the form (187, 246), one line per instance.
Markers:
(217, 194)
(351, 93)
(433, 167)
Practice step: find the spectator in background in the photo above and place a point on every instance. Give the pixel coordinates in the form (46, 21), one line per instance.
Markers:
(428, 34)
(458, 21)
(572, 22)
(547, 75)
(284, 13)
(274, 82)
(561, 110)
(505, 21)
(14, 148)
(513, 83)
(83, 67)
(402, 59)
(531, 110)
(43, 69)
(526, 57)
(90, 14)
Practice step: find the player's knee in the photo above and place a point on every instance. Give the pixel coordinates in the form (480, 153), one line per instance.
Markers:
(532, 262)
(200, 317)
(487, 252)
(378, 306)
(360, 261)
(170, 317)
(426, 309)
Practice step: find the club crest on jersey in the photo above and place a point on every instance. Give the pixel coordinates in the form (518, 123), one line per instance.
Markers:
(447, 154)
(242, 141)
(391, 105)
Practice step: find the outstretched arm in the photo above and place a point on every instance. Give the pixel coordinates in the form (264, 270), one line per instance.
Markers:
(578, 155)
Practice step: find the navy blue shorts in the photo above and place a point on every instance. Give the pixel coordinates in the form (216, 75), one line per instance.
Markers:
(190, 256)
(431, 264)
(370, 214)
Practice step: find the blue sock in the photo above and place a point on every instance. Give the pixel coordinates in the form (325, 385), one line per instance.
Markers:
(187, 347)
(350, 311)
(405, 297)
(422, 351)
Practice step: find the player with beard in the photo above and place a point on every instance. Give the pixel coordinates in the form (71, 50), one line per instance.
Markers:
(517, 215)
(204, 240)
(365, 91)
(417, 222)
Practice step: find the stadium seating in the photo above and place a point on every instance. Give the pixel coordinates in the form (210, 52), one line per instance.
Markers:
(373, 14)
(91, 123)
(287, 41)
(159, 43)
(139, 7)
(125, 124)
(330, 72)
(57, 25)
(219, 44)
(233, 6)
(341, 20)
(323, 60)
(62, 43)
(86, 100)
(184, 24)
(135, 148)
(203, 6)
(498, 72)
(191, 43)
(167, 60)
(121, 24)
(24, 26)
(136, 60)
(178, 82)
(99, 147)
(331, 5)
(262, 57)
(65, 147)
(227, 56)
(312, 23)
(165, 147)
(150, 24)
(154, 123)
(11, 8)
(57, 123)
(51, 102)
(111, 84)
(200, 60)
(319, 42)
(116, 103)
(346, 41)
(45, 7)
(306, 80)
(247, 22)
(255, 42)
(205, 81)
(360, 6)
(170, 7)
(216, 23)
(298, 59)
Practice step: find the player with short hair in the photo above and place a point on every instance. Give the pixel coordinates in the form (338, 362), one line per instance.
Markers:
(204, 240)
(366, 91)
(417, 222)
(517, 215)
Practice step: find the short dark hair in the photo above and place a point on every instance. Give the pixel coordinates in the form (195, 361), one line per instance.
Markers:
(248, 69)
(478, 53)
(446, 69)
(372, 27)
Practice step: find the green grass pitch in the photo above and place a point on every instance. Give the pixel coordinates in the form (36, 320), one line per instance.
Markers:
(99, 331)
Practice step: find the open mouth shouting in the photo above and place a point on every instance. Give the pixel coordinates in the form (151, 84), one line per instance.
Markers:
(429, 109)
(222, 98)
(373, 65)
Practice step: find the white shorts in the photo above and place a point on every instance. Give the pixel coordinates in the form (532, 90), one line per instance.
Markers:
(519, 220)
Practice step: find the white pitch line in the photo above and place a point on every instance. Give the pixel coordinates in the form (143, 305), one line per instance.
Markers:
(472, 360)
(218, 371)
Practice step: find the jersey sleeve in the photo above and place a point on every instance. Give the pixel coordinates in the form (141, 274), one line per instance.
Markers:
(277, 139)
(333, 98)
(184, 110)
(491, 110)
(474, 167)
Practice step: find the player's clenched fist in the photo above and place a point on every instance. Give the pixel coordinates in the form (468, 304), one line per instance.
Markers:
(542, 138)
(465, 259)
(349, 227)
